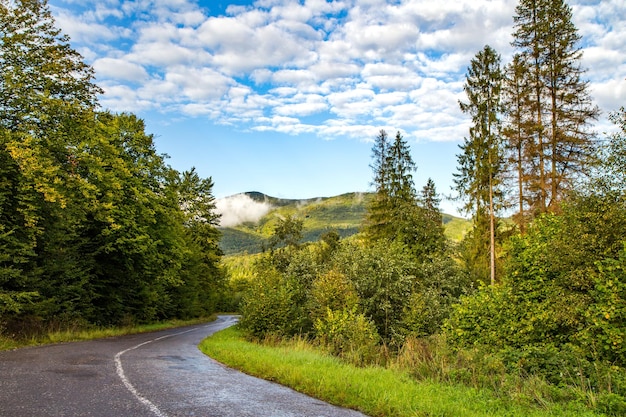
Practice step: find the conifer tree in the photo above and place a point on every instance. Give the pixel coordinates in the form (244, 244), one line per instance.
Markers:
(517, 133)
(563, 146)
(480, 163)
(401, 187)
(395, 193)
(377, 217)
(434, 239)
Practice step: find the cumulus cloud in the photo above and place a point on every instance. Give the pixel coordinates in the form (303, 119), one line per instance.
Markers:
(240, 208)
(354, 66)
(120, 69)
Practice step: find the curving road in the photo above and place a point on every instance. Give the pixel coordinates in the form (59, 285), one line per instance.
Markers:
(160, 374)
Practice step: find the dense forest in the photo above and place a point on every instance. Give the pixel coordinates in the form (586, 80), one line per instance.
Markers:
(95, 228)
(535, 293)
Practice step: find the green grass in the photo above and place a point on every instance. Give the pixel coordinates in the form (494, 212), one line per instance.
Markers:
(375, 391)
(78, 334)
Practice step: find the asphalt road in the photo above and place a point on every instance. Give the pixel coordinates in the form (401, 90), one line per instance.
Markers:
(159, 374)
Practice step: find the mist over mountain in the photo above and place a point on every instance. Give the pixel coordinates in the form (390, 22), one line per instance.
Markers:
(241, 208)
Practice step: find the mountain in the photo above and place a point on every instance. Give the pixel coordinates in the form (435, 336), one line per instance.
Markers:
(249, 219)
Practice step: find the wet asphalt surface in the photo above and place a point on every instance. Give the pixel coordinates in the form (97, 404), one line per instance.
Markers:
(161, 374)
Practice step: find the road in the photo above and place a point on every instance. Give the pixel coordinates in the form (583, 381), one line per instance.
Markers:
(160, 374)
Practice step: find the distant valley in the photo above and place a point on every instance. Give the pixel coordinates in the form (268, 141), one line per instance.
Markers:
(248, 219)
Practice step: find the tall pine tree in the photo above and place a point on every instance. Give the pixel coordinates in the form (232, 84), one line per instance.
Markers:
(563, 147)
(517, 133)
(480, 163)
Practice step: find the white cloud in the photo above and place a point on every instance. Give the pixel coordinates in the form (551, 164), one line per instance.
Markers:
(355, 66)
(120, 69)
(239, 209)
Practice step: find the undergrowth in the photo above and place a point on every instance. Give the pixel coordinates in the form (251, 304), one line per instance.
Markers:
(419, 382)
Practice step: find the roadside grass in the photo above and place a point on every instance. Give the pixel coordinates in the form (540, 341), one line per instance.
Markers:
(374, 391)
(74, 334)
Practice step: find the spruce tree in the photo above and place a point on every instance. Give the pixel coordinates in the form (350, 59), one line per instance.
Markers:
(517, 132)
(563, 146)
(480, 163)
(434, 239)
(377, 217)
(401, 187)
(388, 213)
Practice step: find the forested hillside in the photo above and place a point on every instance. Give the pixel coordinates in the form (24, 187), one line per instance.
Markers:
(95, 227)
(344, 214)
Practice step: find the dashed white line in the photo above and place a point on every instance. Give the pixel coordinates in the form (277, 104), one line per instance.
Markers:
(129, 386)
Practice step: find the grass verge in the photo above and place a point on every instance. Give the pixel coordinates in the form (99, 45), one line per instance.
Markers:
(77, 334)
(375, 391)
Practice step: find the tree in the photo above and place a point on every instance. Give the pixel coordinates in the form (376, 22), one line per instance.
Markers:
(613, 167)
(46, 95)
(395, 194)
(377, 218)
(41, 76)
(287, 232)
(563, 147)
(401, 166)
(426, 235)
(92, 227)
(480, 163)
(517, 131)
(203, 279)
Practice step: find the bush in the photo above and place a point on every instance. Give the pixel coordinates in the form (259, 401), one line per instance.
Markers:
(439, 284)
(611, 404)
(273, 306)
(331, 290)
(606, 333)
(383, 277)
(348, 335)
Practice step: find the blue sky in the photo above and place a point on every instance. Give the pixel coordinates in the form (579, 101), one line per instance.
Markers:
(285, 96)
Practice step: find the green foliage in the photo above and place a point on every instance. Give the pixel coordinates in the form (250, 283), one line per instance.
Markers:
(271, 305)
(383, 277)
(605, 334)
(480, 162)
(611, 175)
(559, 311)
(94, 226)
(439, 284)
(395, 191)
(396, 212)
(331, 291)
(287, 232)
(348, 335)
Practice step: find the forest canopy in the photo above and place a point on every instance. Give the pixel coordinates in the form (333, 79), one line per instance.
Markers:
(95, 227)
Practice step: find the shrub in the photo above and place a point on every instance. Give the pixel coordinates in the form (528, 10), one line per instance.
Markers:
(606, 333)
(272, 306)
(348, 335)
(331, 290)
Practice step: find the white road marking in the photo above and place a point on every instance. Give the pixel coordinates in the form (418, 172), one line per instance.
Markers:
(129, 386)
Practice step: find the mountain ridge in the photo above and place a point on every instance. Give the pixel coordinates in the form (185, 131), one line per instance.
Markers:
(343, 213)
